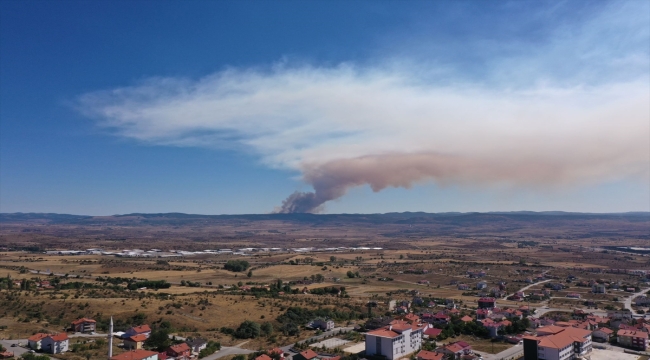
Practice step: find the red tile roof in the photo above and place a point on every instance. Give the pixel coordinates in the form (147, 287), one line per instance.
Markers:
(466, 318)
(138, 338)
(141, 329)
(433, 332)
(383, 332)
(38, 337)
(83, 320)
(429, 355)
(139, 354)
(453, 348)
(564, 338)
(59, 337)
(309, 354)
(178, 348)
(263, 357)
(632, 333)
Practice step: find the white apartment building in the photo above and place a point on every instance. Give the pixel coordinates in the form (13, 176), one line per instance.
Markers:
(394, 341)
(558, 343)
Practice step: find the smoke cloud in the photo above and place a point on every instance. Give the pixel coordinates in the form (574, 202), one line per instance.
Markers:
(407, 122)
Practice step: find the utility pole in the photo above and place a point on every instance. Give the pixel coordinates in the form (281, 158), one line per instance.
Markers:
(110, 339)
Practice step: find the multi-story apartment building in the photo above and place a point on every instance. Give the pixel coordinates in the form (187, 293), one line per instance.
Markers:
(558, 343)
(394, 341)
(632, 339)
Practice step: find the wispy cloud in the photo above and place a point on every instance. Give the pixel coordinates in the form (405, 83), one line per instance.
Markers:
(399, 124)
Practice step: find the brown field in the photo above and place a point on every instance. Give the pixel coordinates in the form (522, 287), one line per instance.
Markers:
(447, 250)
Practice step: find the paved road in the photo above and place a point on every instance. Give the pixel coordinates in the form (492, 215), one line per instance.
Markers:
(228, 350)
(628, 301)
(16, 350)
(526, 288)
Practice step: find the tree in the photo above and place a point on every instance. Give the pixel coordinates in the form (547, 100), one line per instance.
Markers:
(250, 273)
(267, 329)
(239, 357)
(290, 329)
(350, 274)
(210, 349)
(248, 330)
(237, 265)
(332, 258)
(28, 356)
(159, 339)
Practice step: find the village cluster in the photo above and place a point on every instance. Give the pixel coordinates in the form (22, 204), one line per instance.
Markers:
(415, 333)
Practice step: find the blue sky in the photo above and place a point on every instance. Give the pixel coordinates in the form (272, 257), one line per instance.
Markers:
(229, 107)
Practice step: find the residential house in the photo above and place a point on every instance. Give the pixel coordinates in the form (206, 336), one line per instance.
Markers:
(450, 304)
(429, 355)
(483, 313)
(137, 355)
(632, 339)
(411, 318)
(83, 325)
(512, 313)
(487, 303)
(463, 287)
(180, 351)
(556, 286)
(573, 295)
(34, 342)
(276, 353)
(431, 333)
(6, 355)
(598, 288)
(55, 344)
(642, 301)
(481, 285)
(323, 324)
(561, 343)
(394, 341)
(602, 334)
(134, 342)
(138, 330)
(308, 354)
(263, 357)
(456, 350)
(401, 310)
(466, 319)
(493, 327)
(441, 318)
(197, 344)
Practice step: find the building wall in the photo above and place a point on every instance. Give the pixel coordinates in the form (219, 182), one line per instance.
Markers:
(394, 348)
(132, 345)
(85, 327)
(34, 345)
(54, 347)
